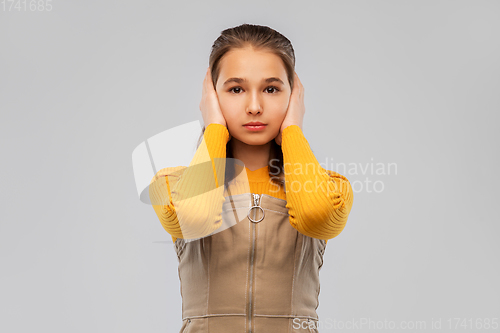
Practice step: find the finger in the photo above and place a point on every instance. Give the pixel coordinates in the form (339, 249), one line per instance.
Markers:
(298, 79)
(210, 77)
(296, 83)
(299, 83)
(210, 83)
(207, 76)
(205, 82)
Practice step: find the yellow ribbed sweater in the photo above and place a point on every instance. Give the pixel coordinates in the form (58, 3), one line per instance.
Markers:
(318, 200)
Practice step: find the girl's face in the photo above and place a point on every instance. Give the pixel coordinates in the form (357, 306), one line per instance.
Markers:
(253, 86)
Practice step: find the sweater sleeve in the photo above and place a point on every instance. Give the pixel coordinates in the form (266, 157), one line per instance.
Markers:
(188, 200)
(319, 201)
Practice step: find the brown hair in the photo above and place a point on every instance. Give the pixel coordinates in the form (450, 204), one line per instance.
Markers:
(259, 38)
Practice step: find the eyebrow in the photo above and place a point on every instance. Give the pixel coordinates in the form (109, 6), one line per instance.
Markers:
(240, 80)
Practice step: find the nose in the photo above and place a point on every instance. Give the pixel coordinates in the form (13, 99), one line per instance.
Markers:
(254, 105)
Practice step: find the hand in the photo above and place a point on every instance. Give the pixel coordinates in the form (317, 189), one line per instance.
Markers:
(209, 104)
(296, 108)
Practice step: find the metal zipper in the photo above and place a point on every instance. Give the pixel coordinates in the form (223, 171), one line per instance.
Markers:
(256, 202)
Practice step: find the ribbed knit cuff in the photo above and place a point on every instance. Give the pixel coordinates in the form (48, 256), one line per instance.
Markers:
(216, 137)
(295, 147)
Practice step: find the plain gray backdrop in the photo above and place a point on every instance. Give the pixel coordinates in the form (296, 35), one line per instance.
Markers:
(410, 88)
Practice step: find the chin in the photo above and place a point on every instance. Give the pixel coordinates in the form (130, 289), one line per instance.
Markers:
(255, 141)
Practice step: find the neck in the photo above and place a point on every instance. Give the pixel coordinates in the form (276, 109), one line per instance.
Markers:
(253, 157)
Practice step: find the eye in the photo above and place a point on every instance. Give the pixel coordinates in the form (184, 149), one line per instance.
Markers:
(273, 87)
(231, 90)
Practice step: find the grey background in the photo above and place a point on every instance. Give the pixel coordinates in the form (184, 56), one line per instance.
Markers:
(415, 83)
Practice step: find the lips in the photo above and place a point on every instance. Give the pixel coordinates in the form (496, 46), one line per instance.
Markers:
(259, 127)
(254, 123)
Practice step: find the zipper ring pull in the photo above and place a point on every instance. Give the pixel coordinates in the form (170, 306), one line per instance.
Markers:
(255, 221)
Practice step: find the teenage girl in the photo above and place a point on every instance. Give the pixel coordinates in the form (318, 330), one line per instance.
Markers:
(251, 215)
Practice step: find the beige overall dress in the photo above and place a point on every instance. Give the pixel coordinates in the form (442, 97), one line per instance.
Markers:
(260, 275)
